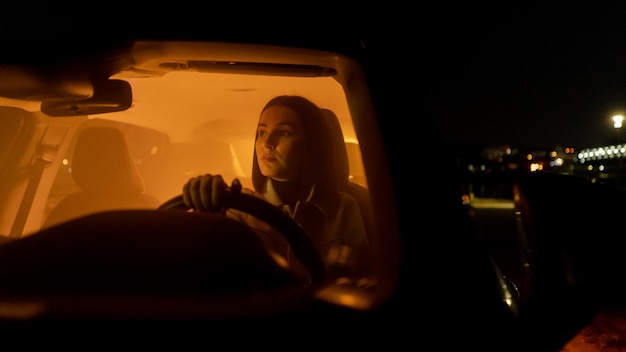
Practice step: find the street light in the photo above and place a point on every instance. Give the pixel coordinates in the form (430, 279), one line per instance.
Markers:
(617, 124)
(617, 121)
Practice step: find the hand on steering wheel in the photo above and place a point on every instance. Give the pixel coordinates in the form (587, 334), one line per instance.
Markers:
(223, 197)
(205, 193)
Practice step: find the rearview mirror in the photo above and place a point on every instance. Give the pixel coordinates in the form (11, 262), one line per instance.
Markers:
(108, 96)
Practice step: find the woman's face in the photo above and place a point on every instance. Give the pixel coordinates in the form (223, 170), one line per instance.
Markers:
(280, 143)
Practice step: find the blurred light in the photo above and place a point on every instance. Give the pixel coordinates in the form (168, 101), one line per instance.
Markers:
(536, 167)
(344, 295)
(617, 121)
(600, 153)
(492, 203)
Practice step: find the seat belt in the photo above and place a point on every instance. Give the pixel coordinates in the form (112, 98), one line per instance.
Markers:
(47, 150)
(27, 199)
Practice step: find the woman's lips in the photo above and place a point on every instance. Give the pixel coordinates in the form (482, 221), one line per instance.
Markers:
(267, 158)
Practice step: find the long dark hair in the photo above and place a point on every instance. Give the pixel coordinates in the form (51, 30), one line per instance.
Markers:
(317, 158)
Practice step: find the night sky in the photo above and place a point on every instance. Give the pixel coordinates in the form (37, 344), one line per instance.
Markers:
(519, 73)
(528, 75)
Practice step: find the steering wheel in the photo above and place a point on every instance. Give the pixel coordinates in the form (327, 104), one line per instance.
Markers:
(303, 248)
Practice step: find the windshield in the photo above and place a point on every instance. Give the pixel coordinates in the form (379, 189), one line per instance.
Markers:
(186, 124)
(284, 125)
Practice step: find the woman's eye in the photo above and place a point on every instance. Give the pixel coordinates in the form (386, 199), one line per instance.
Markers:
(261, 133)
(285, 133)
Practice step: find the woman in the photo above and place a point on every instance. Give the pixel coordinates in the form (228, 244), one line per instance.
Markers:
(290, 170)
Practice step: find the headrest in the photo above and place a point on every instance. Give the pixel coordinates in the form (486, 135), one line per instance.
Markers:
(102, 162)
(341, 163)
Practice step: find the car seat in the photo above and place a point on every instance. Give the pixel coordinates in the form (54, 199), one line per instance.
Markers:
(107, 177)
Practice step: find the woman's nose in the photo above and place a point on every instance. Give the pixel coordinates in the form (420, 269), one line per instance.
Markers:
(269, 142)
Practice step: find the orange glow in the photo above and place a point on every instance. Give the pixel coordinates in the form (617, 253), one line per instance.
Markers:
(345, 295)
(605, 330)
(181, 102)
(184, 124)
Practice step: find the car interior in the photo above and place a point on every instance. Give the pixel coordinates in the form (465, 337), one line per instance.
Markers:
(95, 154)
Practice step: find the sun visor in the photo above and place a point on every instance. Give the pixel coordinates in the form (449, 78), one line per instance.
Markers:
(25, 83)
(108, 96)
